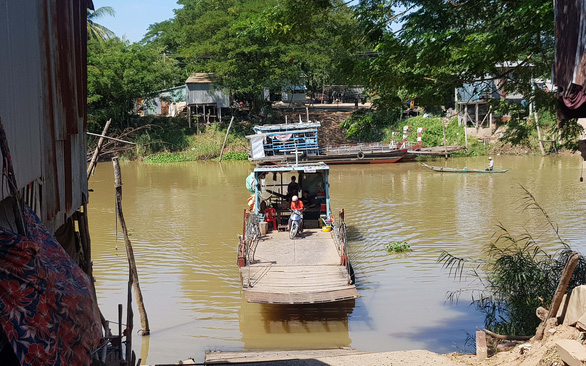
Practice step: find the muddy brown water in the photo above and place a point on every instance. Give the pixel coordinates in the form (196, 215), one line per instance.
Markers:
(184, 220)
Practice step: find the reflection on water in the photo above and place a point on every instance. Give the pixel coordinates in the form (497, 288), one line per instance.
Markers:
(295, 327)
(184, 220)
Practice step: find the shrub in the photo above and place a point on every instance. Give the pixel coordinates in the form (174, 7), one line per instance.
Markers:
(398, 247)
(518, 274)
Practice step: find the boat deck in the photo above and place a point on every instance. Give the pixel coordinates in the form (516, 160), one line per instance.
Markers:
(304, 270)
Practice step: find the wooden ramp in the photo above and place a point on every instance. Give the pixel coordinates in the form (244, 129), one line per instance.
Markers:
(219, 357)
(305, 270)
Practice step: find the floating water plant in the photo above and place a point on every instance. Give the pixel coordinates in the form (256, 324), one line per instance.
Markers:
(398, 247)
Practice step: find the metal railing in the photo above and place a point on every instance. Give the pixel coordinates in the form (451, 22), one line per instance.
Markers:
(342, 244)
(249, 238)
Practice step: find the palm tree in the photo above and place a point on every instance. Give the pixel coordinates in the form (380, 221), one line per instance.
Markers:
(98, 31)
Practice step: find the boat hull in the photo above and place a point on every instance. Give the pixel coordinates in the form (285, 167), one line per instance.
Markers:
(454, 170)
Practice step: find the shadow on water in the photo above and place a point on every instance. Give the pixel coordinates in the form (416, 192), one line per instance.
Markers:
(448, 335)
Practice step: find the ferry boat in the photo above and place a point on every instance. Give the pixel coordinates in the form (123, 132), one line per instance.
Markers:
(311, 268)
(299, 142)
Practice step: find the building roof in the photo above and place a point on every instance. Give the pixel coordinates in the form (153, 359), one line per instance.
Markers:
(199, 78)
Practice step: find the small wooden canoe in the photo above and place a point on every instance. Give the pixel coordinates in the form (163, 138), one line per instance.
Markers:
(454, 170)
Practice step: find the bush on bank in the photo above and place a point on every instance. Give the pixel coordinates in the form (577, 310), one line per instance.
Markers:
(517, 134)
(520, 273)
(172, 140)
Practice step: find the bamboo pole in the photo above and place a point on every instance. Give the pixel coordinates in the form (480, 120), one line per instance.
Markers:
(111, 138)
(445, 140)
(559, 292)
(466, 138)
(226, 138)
(94, 160)
(539, 134)
(129, 320)
(129, 252)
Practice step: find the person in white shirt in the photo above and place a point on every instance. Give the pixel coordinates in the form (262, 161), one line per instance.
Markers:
(490, 164)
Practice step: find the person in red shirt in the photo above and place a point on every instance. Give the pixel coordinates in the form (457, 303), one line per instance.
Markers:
(296, 204)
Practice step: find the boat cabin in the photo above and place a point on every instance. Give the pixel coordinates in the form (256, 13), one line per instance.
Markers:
(282, 140)
(272, 198)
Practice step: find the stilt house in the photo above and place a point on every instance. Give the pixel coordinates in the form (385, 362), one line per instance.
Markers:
(205, 101)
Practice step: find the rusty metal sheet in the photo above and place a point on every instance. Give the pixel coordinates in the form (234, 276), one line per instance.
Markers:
(21, 88)
(43, 98)
(570, 32)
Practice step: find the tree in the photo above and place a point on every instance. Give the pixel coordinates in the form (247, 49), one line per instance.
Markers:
(427, 48)
(119, 73)
(255, 44)
(97, 31)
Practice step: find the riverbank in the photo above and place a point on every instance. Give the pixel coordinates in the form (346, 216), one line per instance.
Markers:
(530, 353)
(168, 140)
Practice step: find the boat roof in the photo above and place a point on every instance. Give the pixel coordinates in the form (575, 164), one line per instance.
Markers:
(305, 167)
(286, 127)
(275, 133)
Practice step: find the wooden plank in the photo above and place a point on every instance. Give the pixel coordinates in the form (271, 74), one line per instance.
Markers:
(305, 270)
(301, 298)
(219, 357)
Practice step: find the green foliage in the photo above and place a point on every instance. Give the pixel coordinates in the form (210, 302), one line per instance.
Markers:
(171, 140)
(518, 272)
(433, 135)
(235, 156)
(398, 247)
(97, 31)
(255, 44)
(520, 132)
(366, 125)
(168, 158)
(443, 44)
(569, 134)
(119, 73)
(163, 135)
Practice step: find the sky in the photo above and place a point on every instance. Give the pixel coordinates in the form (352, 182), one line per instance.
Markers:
(133, 17)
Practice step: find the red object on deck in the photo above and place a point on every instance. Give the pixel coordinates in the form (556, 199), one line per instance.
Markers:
(323, 207)
(271, 216)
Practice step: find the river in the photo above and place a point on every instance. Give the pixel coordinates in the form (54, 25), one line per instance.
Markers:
(184, 220)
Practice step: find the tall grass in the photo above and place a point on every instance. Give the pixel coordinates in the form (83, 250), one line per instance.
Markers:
(518, 273)
(204, 146)
(519, 131)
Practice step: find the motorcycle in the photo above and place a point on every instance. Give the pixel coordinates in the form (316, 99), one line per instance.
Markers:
(296, 220)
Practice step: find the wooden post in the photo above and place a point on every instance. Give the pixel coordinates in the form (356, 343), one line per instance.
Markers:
(466, 138)
(129, 319)
(84, 234)
(17, 204)
(189, 116)
(539, 134)
(481, 348)
(445, 140)
(129, 252)
(477, 116)
(226, 138)
(307, 113)
(559, 292)
(90, 168)
(120, 330)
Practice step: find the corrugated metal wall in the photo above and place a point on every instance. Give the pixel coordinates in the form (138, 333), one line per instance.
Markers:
(200, 93)
(43, 99)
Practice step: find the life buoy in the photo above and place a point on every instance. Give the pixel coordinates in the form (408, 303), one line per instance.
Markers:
(360, 155)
